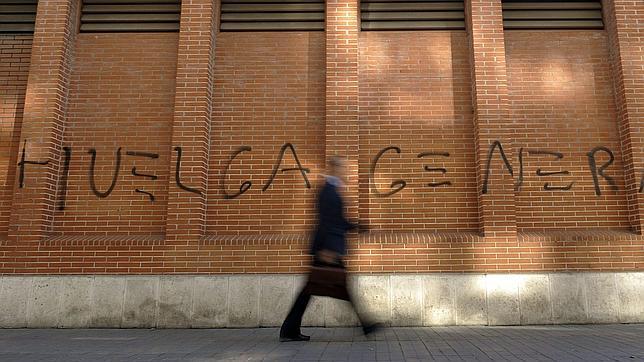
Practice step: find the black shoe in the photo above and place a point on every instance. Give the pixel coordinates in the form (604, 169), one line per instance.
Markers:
(298, 338)
(368, 329)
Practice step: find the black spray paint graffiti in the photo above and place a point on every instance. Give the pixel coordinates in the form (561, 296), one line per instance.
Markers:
(591, 160)
(596, 172)
(63, 179)
(547, 186)
(490, 153)
(177, 175)
(396, 186)
(117, 169)
(137, 174)
(92, 181)
(245, 186)
(23, 162)
(434, 169)
(399, 185)
(600, 171)
(116, 172)
(299, 167)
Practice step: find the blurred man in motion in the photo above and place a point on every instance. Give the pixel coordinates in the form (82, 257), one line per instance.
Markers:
(328, 274)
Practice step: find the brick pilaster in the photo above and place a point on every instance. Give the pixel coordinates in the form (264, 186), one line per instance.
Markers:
(497, 215)
(43, 123)
(342, 91)
(626, 35)
(186, 217)
(13, 85)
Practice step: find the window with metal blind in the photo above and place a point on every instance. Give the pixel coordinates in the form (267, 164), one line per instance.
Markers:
(412, 14)
(130, 15)
(552, 14)
(18, 16)
(271, 15)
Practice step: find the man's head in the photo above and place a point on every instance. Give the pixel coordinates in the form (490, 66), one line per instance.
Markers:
(337, 167)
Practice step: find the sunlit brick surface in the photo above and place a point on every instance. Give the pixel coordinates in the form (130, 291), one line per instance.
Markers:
(559, 103)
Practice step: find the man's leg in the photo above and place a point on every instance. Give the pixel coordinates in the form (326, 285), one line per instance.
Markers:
(367, 325)
(293, 321)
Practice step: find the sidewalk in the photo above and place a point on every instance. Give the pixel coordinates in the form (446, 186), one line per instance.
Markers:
(526, 343)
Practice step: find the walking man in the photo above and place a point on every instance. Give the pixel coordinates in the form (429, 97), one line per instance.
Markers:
(328, 274)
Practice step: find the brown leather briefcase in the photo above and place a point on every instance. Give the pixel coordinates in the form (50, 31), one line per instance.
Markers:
(328, 280)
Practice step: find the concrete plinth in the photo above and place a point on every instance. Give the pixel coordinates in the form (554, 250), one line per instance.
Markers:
(262, 300)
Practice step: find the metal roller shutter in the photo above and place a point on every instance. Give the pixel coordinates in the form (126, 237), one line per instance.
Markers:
(272, 15)
(412, 14)
(522, 14)
(130, 15)
(18, 16)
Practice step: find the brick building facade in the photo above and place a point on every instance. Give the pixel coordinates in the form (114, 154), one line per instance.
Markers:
(499, 170)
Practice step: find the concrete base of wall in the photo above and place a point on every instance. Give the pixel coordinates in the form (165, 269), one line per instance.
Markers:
(262, 300)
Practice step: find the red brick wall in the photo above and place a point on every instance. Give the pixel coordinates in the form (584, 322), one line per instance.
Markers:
(451, 93)
(562, 100)
(492, 126)
(186, 212)
(44, 116)
(15, 53)
(415, 94)
(121, 95)
(268, 91)
(623, 20)
(342, 127)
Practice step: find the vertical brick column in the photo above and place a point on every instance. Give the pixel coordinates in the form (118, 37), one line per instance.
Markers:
(497, 217)
(186, 216)
(342, 91)
(623, 20)
(43, 123)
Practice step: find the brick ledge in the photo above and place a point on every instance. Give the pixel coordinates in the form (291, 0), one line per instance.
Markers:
(372, 237)
(579, 235)
(105, 239)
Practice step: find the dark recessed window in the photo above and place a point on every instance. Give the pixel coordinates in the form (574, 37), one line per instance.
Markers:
(412, 15)
(521, 14)
(106, 16)
(17, 16)
(272, 15)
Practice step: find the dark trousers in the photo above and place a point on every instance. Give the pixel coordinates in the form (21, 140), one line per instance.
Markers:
(293, 321)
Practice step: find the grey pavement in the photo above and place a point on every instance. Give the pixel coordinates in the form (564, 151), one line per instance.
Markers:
(479, 343)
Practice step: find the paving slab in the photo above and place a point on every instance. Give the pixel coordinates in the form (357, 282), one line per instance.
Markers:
(608, 342)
